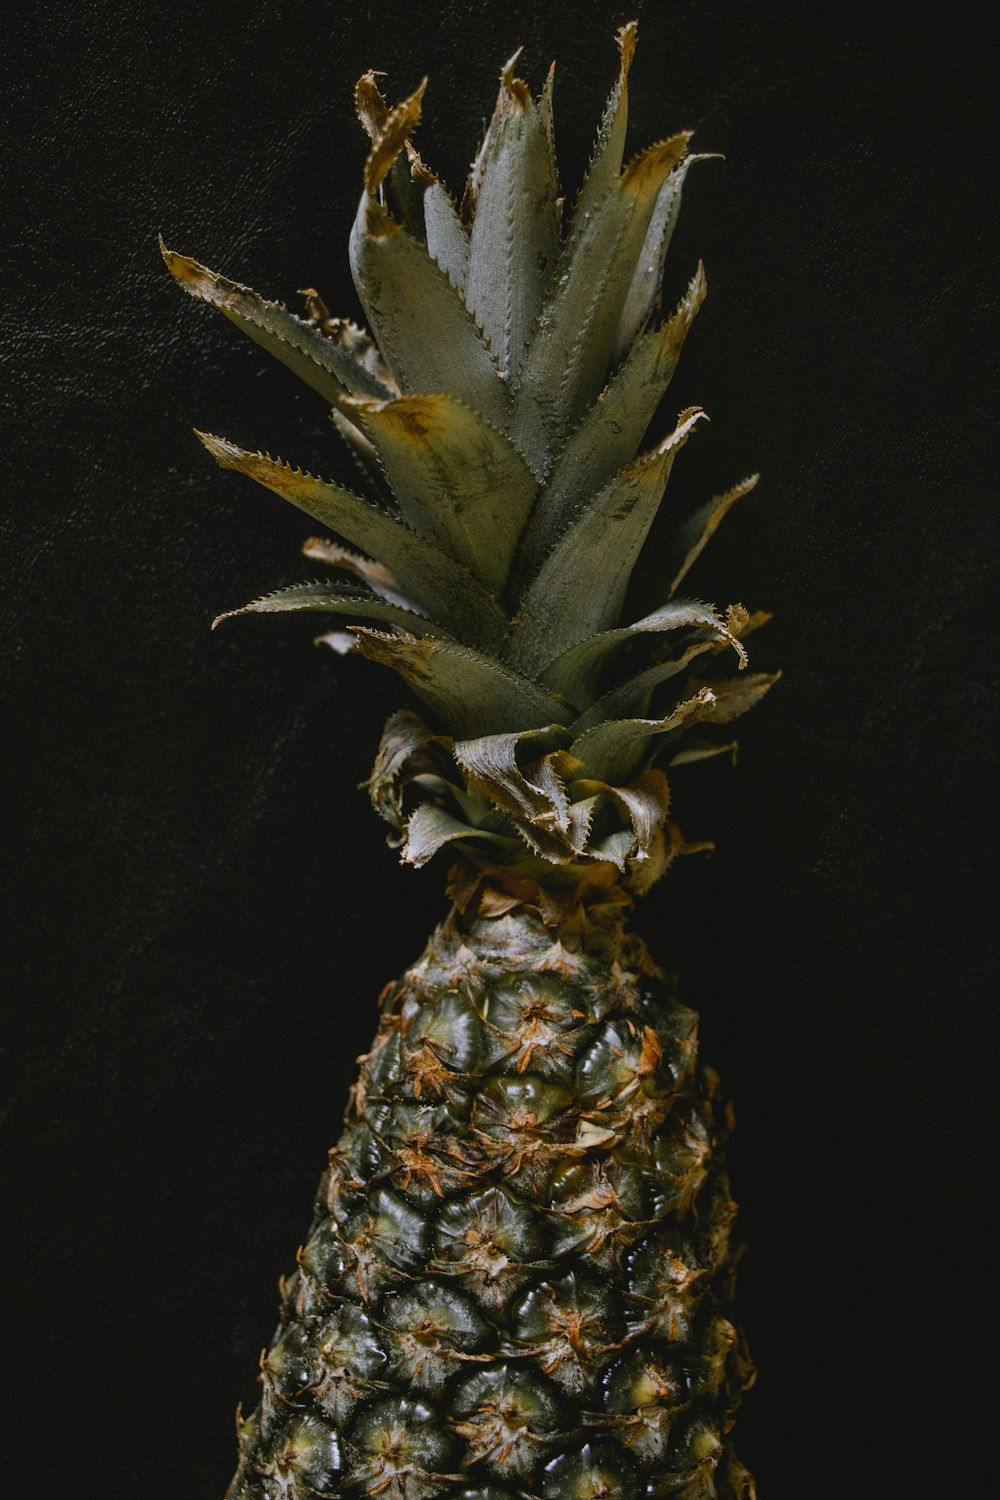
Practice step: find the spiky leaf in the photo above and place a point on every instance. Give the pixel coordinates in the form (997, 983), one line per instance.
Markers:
(515, 235)
(430, 579)
(375, 575)
(456, 479)
(613, 751)
(575, 673)
(561, 605)
(632, 697)
(567, 361)
(609, 148)
(423, 327)
(644, 292)
(447, 241)
(429, 828)
(335, 599)
(319, 360)
(523, 772)
(471, 693)
(611, 430)
(693, 534)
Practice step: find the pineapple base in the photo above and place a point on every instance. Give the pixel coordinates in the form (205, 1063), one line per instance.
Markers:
(519, 1271)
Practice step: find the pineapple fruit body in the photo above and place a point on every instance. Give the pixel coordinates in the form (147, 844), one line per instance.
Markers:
(518, 1277)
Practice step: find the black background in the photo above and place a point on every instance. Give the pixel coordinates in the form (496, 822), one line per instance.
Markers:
(202, 908)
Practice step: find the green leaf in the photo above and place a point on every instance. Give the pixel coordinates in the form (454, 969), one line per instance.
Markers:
(475, 177)
(436, 583)
(455, 478)
(632, 697)
(471, 694)
(447, 241)
(545, 114)
(736, 695)
(613, 751)
(336, 599)
(378, 578)
(422, 325)
(514, 242)
(644, 292)
(579, 588)
(315, 357)
(644, 801)
(430, 827)
(693, 534)
(363, 457)
(408, 751)
(613, 427)
(567, 361)
(576, 672)
(524, 774)
(537, 790)
(696, 750)
(609, 148)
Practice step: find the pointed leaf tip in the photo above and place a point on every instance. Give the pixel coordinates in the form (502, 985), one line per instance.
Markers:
(225, 453)
(369, 103)
(333, 366)
(625, 38)
(609, 147)
(514, 241)
(694, 534)
(507, 71)
(400, 122)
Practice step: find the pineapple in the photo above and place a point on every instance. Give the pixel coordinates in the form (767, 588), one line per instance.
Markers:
(519, 1274)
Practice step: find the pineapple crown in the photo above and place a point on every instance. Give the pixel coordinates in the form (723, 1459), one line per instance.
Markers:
(496, 412)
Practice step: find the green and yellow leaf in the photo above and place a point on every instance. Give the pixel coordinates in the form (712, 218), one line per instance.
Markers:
(471, 693)
(322, 362)
(456, 479)
(433, 581)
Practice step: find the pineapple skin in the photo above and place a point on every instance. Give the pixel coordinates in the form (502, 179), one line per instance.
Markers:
(519, 1273)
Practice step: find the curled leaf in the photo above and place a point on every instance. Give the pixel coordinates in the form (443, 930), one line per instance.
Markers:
(407, 750)
(613, 751)
(576, 672)
(430, 827)
(522, 772)
(391, 133)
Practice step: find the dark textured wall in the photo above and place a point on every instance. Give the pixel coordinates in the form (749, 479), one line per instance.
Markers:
(202, 910)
